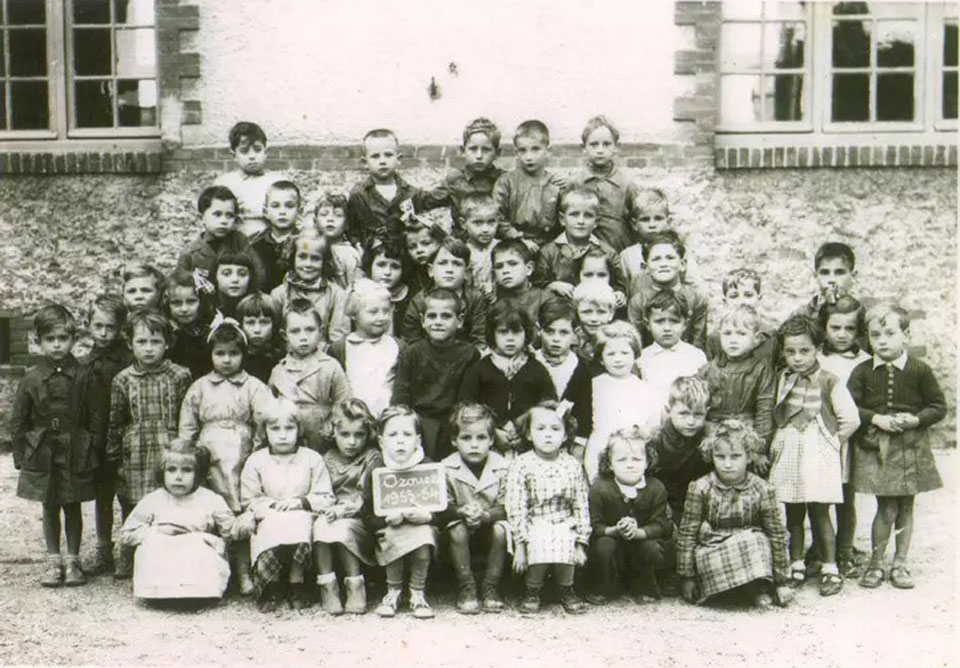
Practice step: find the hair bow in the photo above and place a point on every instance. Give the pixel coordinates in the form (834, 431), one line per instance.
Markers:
(201, 282)
(220, 321)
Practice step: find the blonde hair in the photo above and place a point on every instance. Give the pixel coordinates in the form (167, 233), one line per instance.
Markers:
(617, 330)
(594, 292)
(364, 291)
(690, 391)
(883, 311)
(274, 411)
(634, 435)
(734, 433)
(741, 316)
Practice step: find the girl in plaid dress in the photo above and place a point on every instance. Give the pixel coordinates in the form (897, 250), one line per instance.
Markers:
(546, 506)
(145, 403)
(731, 534)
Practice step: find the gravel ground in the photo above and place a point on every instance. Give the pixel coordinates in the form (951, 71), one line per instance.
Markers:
(102, 624)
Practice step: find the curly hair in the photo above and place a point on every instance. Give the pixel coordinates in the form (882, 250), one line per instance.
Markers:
(632, 434)
(355, 409)
(274, 411)
(184, 449)
(567, 419)
(734, 433)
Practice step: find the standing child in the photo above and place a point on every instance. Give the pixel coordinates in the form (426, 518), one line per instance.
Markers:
(282, 484)
(190, 310)
(248, 144)
(480, 149)
(631, 527)
(340, 528)
(649, 215)
(834, 269)
(142, 287)
(272, 244)
(383, 263)
(308, 377)
(402, 539)
(144, 414)
(742, 287)
(220, 412)
(235, 275)
(422, 242)
(512, 269)
(814, 414)
(546, 505)
(330, 219)
(475, 519)
(509, 380)
(53, 424)
(478, 223)
(595, 302)
(899, 399)
(259, 317)
(178, 531)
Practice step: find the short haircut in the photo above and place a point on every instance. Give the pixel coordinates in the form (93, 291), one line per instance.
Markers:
(482, 126)
(594, 252)
(444, 295)
(473, 202)
(468, 413)
(567, 419)
(256, 304)
(334, 200)
(667, 300)
(144, 270)
(396, 411)
(690, 391)
(665, 238)
(740, 316)
(276, 410)
(532, 129)
(241, 258)
(883, 311)
(180, 449)
(246, 130)
(515, 246)
(597, 122)
(646, 198)
(351, 410)
(594, 292)
(832, 249)
(227, 333)
(328, 268)
(736, 278)
(632, 435)
(110, 304)
(845, 304)
(379, 133)
(364, 290)
(152, 320)
(456, 248)
(583, 192)
(800, 325)
(617, 330)
(285, 185)
(50, 317)
(734, 433)
(507, 314)
(389, 248)
(302, 306)
(183, 278)
(220, 193)
(556, 308)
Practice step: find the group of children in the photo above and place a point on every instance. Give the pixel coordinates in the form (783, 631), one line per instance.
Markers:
(551, 351)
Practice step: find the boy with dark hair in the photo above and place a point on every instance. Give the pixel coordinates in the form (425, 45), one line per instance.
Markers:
(512, 270)
(480, 148)
(249, 181)
(272, 244)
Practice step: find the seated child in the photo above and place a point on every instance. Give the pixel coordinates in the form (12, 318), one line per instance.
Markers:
(235, 276)
(250, 182)
(281, 485)
(422, 242)
(667, 358)
(369, 356)
(595, 302)
(478, 223)
(330, 219)
(741, 287)
(899, 398)
(384, 264)
(664, 255)
(272, 244)
(190, 310)
(527, 196)
(512, 269)
(307, 376)
(647, 216)
(259, 316)
(405, 539)
(480, 149)
(678, 461)
(546, 504)
(142, 286)
(631, 527)
(508, 380)
(731, 534)
(179, 531)
(475, 519)
(340, 530)
(431, 370)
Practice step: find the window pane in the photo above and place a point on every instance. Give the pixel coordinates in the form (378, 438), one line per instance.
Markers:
(3, 61)
(739, 99)
(950, 44)
(28, 105)
(895, 97)
(740, 46)
(20, 12)
(137, 102)
(742, 9)
(133, 12)
(91, 11)
(3, 106)
(91, 51)
(785, 10)
(848, 8)
(783, 43)
(785, 99)
(28, 52)
(851, 44)
(851, 97)
(949, 94)
(136, 53)
(94, 104)
(895, 43)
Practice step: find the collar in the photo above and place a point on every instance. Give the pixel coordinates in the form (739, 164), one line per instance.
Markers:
(490, 172)
(213, 241)
(370, 185)
(570, 359)
(294, 282)
(305, 365)
(415, 459)
(138, 370)
(491, 474)
(809, 373)
(482, 249)
(590, 173)
(562, 240)
(114, 352)
(356, 338)
(849, 353)
(900, 362)
(400, 294)
(721, 485)
(67, 366)
(236, 379)
(656, 349)
(630, 491)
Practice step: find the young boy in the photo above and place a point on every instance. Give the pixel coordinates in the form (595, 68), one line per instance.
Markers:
(431, 370)
(369, 355)
(330, 220)
(512, 269)
(381, 205)
(742, 287)
(667, 358)
(834, 267)
(422, 243)
(527, 197)
(479, 225)
(595, 302)
(601, 140)
(259, 317)
(272, 244)
(249, 182)
(480, 148)
(475, 519)
(677, 443)
(556, 265)
(218, 217)
(664, 255)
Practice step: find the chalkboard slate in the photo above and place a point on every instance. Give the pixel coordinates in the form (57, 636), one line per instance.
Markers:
(422, 487)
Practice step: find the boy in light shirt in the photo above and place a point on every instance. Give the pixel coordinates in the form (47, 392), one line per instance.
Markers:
(668, 358)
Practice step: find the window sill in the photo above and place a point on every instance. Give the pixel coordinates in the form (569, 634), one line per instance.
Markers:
(87, 156)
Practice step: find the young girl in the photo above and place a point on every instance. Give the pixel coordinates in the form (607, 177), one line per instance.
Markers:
(402, 539)
(731, 534)
(340, 529)
(144, 412)
(814, 414)
(329, 217)
(596, 264)
(508, 380)
(53, 426)
(312, 276)
(620, 398)
(220, 412)
(421, 241)
(628, 512)
(282, 484)
(899, 398)
(178, 531)
(741, 382)
(142, 286)
(190, 310)
(383, 263)
(311, 379)
(259, 316)
(235, 275)
(546, 506)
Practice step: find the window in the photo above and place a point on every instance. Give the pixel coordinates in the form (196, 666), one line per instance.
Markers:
(76, 69)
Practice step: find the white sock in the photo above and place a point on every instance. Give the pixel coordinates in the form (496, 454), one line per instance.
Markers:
(326, 578)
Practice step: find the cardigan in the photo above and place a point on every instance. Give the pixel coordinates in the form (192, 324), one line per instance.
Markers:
(486, 384)
(678, 463)
(429, 376)
(608, 505)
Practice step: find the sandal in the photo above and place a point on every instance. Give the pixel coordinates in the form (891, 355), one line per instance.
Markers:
(830, 584)
(872, 577)
(900, 577)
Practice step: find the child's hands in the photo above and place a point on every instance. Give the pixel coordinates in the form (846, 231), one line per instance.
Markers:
(213, 541)
(580, 557)
(785, 595)
(762, 465)
(626, 526)
(907, 421)
(887, 423)
(520, 558)
(561, 288)
(170, 529)
(330, 514)
(418, 516)
(285, 505)
(619, 299)
(688, 589)
(393, 519)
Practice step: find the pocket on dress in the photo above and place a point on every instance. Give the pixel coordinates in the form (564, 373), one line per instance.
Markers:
(83, 455)
(35, 457)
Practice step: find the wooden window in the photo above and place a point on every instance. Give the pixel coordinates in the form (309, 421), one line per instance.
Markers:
(948, 72)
